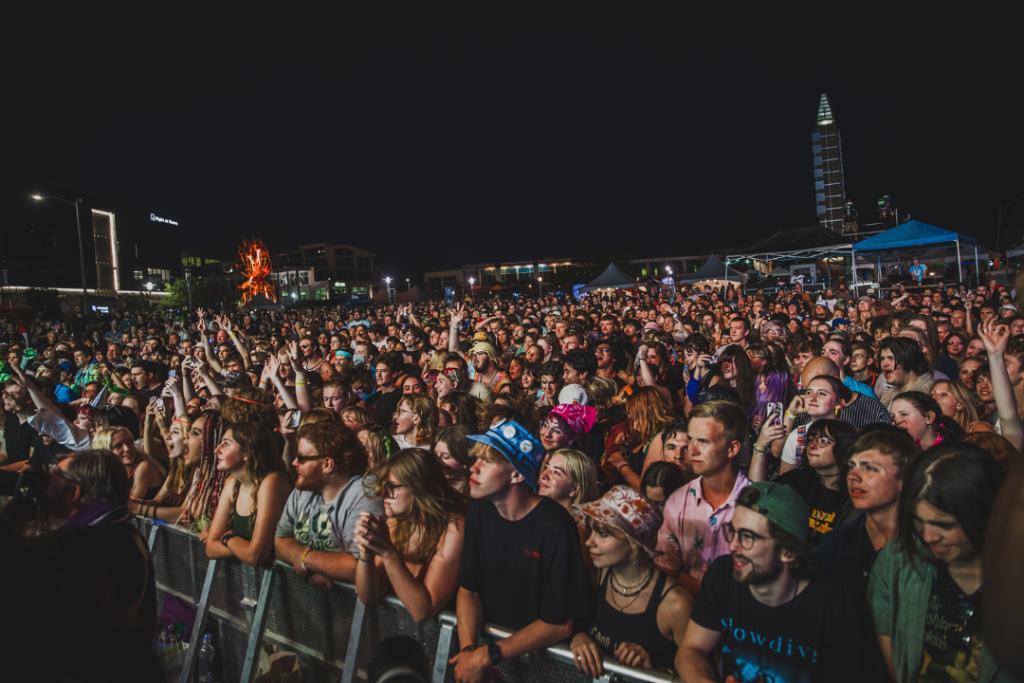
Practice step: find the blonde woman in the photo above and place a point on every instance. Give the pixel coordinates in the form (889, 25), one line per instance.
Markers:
(956, 403)
(417, 547)
(415, 422)
(145, 474)
(568, 477)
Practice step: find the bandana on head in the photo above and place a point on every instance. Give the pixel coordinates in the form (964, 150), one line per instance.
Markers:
(581, 419)
(453, 376)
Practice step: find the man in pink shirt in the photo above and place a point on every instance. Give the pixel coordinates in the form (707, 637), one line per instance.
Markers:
(692, 534)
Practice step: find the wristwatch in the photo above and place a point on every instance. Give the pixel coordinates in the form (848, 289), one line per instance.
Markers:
(494, 652)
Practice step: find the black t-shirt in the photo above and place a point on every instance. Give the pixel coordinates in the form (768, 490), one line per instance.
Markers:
(525, 570)
(827, 507)
(952, 630)
(820, 635)
(19, 438)
(848, 553)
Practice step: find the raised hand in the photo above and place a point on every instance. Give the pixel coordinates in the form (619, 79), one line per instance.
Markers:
(995, 335)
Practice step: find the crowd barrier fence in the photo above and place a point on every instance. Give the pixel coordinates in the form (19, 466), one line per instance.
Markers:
(332, 632)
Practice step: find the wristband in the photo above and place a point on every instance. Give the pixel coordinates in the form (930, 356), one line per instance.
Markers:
(300, 382)
(302, 558)
(225, 537)
(790, 414)
(471, 646)
(620, 466)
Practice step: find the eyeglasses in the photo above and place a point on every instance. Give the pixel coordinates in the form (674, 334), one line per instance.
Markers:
(747, 537)
(308, 458)
(389, 489)
(821, 440)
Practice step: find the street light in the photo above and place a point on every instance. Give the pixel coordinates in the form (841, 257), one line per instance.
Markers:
(407, 285)
(78, 228)
(472, 281)
(149, 286)
(387, 281)
(540, 285)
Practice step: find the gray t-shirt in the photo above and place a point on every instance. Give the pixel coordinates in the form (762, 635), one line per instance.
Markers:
(314, 523)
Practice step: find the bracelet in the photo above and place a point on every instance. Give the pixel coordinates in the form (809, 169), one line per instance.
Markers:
(302, 558)
(225, 537)
(300, 382)
(471, 646)
(621, 465)
(790, 414)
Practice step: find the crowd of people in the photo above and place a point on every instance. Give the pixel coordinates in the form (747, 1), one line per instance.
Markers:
(727, 485)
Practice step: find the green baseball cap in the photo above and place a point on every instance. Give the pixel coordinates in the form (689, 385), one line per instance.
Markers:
(783, 507)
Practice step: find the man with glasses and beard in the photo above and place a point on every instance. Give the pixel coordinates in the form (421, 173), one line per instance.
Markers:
(317, 527)
(772, 616)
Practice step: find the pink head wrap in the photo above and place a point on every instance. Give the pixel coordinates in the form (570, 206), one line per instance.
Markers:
(581, 419)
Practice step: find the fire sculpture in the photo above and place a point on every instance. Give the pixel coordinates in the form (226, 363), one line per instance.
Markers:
(255, 268)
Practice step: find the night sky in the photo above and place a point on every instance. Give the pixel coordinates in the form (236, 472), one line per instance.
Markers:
(438, 140)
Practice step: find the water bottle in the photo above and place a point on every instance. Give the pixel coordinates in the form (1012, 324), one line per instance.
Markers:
(206, 660)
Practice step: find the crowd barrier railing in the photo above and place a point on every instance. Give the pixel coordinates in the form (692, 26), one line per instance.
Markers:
(331, 632)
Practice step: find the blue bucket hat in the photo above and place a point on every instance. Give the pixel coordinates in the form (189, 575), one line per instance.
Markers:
(521, 448)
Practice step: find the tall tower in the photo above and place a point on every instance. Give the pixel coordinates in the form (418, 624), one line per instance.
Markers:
(829, 187)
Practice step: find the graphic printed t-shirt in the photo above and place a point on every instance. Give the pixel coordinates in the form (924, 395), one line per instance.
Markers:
(952, 633)
(320, 525)
(824, 504)
(820, 635)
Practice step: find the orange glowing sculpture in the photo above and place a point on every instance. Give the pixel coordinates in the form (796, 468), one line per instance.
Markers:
(256, 270)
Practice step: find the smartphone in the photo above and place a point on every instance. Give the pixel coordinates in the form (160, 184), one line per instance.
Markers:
(773, 410)
(172, 374)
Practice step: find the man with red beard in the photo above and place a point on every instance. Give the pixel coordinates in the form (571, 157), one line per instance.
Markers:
(771, 614)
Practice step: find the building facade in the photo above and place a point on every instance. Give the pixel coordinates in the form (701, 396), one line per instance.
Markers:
(323, 272)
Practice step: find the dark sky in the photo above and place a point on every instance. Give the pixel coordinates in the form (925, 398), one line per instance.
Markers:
(437, 140)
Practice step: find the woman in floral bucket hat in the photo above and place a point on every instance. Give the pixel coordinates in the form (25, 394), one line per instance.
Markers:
(639, 613)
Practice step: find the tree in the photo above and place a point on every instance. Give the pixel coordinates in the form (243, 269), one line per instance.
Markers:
(206, 293)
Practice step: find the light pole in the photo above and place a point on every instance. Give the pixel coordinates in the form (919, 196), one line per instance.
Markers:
(540, 286)
(407, 285)
(78, 228)
(387, 281)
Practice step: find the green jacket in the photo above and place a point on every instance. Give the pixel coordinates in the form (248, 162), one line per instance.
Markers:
(898, 591)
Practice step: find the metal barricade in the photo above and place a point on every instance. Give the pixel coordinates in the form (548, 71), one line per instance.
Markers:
(331, 632)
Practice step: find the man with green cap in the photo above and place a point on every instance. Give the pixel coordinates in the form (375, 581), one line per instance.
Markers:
(773, 616)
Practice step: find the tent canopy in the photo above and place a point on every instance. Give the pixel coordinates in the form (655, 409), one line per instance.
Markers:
(713, 269)
(611, 278)
(910, 234)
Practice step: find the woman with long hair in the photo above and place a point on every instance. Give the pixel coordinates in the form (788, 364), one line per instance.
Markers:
(452, 451)
(737, 371)
(243, 525)
(415, 421)
(206, 484)
(955, 402)
(925, 589)
(145, 474)
(626, 444)
(417, 547)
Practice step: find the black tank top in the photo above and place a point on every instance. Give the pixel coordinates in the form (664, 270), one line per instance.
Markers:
(609, 626)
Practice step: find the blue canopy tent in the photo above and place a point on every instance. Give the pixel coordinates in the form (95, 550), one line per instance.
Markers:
(916, 234)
